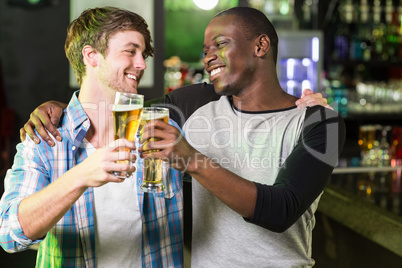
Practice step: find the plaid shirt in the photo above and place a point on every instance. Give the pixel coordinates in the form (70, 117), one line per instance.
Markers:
(71, 242)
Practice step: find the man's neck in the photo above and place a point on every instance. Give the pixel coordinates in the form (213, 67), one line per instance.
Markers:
(100, 133)
(264, 93)
(98, 107)
(264, 100)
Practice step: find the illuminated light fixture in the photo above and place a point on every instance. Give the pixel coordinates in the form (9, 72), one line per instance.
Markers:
(315, 47)
(206, 4)
(284, 8)
(306, 84)
(290, 68)
(30, 3)
(290, 84)
(306, 62)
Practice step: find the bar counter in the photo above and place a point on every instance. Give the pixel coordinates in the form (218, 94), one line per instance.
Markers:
(370, 221)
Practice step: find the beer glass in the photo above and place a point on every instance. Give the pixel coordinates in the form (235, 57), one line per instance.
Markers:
(127, 110)
(154, 169)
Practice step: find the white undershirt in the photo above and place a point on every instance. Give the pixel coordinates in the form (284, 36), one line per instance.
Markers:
(118, 229)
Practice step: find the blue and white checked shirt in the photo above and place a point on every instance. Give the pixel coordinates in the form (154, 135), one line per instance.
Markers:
(71, 242)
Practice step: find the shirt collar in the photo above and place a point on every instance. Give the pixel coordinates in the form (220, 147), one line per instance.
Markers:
(76, 117)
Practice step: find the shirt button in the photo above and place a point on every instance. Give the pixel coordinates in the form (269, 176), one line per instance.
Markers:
(74, 148)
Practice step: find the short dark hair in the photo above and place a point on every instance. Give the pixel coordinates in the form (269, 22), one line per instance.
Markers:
(95, 27)
(253, 23)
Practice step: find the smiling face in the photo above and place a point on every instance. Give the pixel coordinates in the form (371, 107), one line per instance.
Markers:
(229, 56)
(123, 65)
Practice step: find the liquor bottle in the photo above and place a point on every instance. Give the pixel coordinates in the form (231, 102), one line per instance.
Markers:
(350, 11)
(307, 22)
(396, 180)
(378, 33)
(342, 34)
(364, 31)
(388, 11)
(391, 18)
(356, 16)
(399, 22)
(382, 180)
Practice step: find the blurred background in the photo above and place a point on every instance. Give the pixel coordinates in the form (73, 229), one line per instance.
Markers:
(348, 50)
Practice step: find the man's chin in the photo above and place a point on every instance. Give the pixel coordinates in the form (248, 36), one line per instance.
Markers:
(223, 90)
(127, 90)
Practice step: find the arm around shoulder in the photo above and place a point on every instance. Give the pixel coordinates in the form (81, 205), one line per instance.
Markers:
(44, 118)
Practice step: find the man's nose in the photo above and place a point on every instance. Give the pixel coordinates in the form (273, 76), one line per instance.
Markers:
(139, 62)
(209, 57)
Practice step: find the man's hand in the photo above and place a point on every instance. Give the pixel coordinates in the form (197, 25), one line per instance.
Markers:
(98, 168)
(46, 116)
(170, 145)
(39, 212)
(236, 192)
(308, 99)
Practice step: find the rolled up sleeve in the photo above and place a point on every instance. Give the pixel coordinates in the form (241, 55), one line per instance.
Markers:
(27, 176)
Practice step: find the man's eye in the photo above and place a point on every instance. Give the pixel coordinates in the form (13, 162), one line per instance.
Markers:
(130, 51)
(220, 44)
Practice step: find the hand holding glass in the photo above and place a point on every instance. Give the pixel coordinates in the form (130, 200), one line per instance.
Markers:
(127, 110)
(154, 169)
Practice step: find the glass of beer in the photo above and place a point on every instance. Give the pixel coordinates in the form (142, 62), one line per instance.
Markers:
(154, 169)
(127, 110)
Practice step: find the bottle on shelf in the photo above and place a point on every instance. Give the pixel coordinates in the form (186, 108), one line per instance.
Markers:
(381, 148)
(367, 138)
(396, 181)
(398, 12)
(379, 53)
(353, 19)
(342, 34)
(364, 30)
(391, 18)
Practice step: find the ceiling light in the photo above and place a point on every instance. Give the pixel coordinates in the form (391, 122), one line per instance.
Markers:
(206, 4)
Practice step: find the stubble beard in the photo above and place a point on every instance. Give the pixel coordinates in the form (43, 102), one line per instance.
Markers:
(226, 90)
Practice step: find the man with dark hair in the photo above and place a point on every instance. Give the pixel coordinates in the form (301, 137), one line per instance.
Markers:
(66, 196)
(259, 164)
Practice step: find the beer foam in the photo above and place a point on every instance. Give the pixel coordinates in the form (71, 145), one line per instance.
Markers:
(124, 108)
(153, 115)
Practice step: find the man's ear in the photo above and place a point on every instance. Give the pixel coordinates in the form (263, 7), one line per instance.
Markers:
(90, 56)
(263, 44)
